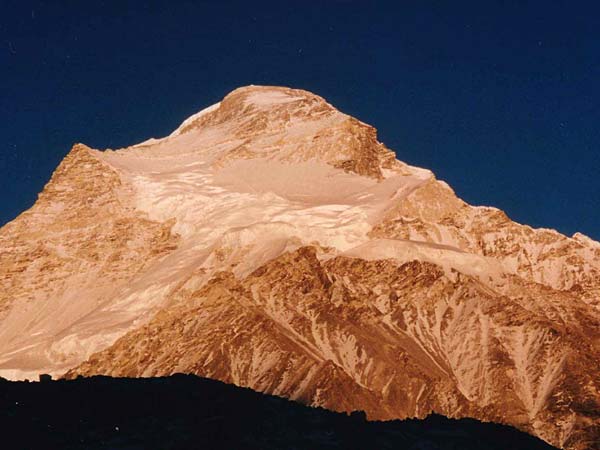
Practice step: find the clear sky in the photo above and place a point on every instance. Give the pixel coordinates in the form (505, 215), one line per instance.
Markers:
(500, 99)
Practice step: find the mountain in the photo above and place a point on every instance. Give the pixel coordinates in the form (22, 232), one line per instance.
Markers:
(273, 242)
(184, 411)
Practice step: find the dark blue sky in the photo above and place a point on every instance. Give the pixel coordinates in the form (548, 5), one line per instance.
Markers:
(500, 99)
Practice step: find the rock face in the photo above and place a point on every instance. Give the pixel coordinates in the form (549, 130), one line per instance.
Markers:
(272, 242)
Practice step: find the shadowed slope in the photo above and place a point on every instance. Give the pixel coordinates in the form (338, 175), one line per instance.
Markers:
(183, 412)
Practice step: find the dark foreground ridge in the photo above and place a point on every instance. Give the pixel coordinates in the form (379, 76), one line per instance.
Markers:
(188, 412)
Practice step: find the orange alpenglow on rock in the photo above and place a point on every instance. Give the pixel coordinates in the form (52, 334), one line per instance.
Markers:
(272, 242)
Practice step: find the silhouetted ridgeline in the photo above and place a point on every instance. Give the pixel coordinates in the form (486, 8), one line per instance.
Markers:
(187, 412)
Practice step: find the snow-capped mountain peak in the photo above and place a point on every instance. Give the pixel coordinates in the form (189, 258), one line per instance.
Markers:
(272, 241)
